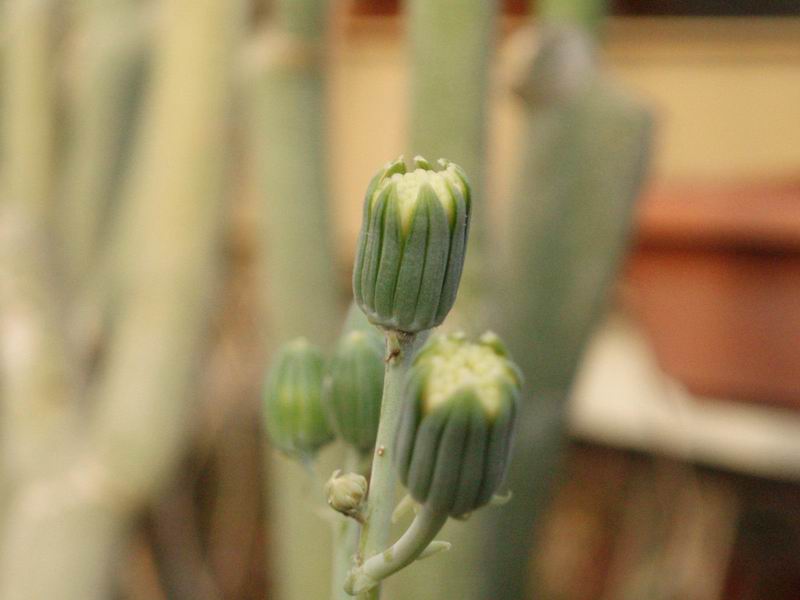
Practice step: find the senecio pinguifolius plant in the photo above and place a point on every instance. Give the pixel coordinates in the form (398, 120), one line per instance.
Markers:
(436, 413)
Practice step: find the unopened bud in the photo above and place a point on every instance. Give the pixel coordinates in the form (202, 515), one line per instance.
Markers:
(346, 493)
(295, 419)
(412, 244)
(454, 439)
(354, 387)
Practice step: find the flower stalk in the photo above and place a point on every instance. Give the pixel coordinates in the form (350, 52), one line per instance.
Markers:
(383, 481)
(411, 546)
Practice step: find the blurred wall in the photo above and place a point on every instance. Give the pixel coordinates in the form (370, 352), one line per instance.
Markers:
(726, 93)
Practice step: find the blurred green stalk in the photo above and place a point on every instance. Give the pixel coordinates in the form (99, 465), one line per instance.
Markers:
(587, 14)
(579, 175)
(65, 526)
(451, 48)
(37, 376)
(287, 108)
(107, 74)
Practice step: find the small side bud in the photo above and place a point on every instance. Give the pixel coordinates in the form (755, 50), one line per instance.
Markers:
(346, 493)
(295, 418)
(454, 439)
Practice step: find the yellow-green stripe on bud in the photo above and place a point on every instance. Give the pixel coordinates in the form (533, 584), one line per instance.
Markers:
(454, 439)
(295, 418)
(354, 387)
(412, 244)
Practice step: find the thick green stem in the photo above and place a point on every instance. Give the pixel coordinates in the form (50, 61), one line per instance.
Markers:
(67, 526)
(35, 368)
(579, 177)
(451, 47)
(110, 59)
(287, 128)
(375, 533)
(286, 101)
(585, 13)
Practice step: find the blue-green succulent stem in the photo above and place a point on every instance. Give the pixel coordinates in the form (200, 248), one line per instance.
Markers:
(383, 481)
(402, 553)
(586, 13)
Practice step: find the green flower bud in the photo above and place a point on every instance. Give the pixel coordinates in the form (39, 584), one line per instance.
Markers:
(354, 387)
(346, 493)
(412, 244)
(293, 409)
(454, 439)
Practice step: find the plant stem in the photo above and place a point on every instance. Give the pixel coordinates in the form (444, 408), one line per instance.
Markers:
(451, 46)
(286, 102)
(381, 500)
(286, 89)
(584, 13)
(35, 367)
(402, 553)
(67, 528)
(345, 533)
(101, 105)
(580, 175)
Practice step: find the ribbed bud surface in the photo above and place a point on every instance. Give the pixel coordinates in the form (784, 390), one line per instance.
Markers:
(454, 440)
(412, 244)
(294, 415)
(354, 386)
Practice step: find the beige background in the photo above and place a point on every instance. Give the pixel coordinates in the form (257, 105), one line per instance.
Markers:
(726, 93)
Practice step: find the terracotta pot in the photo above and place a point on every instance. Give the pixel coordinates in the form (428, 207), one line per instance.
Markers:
(715, 280)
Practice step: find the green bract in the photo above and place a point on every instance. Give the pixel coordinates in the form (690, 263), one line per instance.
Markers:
(412, 244)
(454, 439)
(354, 387)
(293, 401)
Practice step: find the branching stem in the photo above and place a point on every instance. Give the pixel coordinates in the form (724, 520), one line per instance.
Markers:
(406, 550)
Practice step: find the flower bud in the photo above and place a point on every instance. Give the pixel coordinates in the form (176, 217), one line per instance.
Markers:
(293, 409)
(454, 439)
(346, 493)
(354, 387)
(412, 244)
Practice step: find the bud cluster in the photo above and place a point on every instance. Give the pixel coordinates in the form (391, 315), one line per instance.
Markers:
(307, 402)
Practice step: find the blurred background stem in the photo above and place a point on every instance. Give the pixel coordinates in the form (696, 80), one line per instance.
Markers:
(37, 376)
(587, 14)
(286, 97)
(65, 528)
(105, 84)
(451, 48)
(586, 144)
